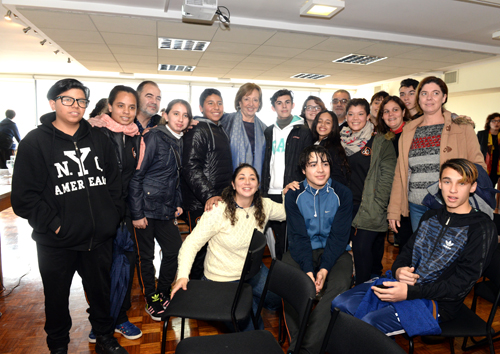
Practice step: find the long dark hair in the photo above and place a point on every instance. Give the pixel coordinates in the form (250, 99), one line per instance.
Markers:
(332, 141)
(228, 197)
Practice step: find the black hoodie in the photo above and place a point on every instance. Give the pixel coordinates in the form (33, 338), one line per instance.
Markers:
(72, 182)
(450, 253)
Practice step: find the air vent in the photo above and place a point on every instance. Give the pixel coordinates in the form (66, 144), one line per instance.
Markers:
(359, 59)
(182, 44)
(309, 76)
(168, 67)
(451, 77)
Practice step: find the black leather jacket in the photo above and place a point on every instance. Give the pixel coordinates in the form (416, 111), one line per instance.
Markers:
(207, 164)
(154, 189)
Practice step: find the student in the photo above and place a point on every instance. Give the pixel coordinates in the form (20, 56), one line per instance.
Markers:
(319, 214)
(124, 135)
(439, 265)
(147, 113)
(155, 203)
(285, 140)
(408, 93)
(207, 166)
(67, 184)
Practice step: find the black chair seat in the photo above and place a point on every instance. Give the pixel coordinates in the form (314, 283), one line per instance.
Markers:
(466, 324)
(219, 295)
(242, 343)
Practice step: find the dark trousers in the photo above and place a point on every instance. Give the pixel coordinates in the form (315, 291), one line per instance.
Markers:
(168, 237)
(279, 229)
(198, 268)
(404, 232)
(366, 251)
(57, 268)
(5, 155)
(337, 281)
(132, 259)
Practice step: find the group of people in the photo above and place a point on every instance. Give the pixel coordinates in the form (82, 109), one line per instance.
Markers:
(324, 181)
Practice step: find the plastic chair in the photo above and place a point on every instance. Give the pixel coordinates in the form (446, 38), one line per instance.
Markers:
(467, 323)
(347, 334)
(218, 301)
(294, 286)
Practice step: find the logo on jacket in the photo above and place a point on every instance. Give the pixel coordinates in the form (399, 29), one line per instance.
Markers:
(366, 151)
(448, 244)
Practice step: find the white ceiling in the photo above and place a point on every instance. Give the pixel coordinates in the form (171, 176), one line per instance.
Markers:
(267, 39)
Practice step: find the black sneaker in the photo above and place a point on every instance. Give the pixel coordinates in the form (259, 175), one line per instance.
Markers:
(165, 299)
(154, 306)
(63, 350)
(108, 344)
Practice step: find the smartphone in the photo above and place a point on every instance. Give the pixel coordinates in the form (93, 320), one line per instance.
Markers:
(381, 286)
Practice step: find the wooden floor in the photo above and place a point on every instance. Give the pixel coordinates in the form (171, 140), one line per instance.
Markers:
(21, 325)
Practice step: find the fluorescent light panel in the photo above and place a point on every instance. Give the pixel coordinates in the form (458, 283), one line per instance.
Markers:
(182, 44)
(308, 76)
(169, 67)
(496, 35)
(359, 59)
(322, 8)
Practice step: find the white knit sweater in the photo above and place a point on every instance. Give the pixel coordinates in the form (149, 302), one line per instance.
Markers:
(227, 244)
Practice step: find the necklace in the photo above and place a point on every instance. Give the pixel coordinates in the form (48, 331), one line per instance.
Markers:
(246, 212)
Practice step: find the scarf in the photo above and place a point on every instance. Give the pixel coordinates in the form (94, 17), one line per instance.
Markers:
(241, 149)
(399, 130)
(354, 142)
(489, 154)
(129, 129)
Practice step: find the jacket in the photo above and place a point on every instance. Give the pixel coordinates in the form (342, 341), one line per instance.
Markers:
(299, 138)
(450, 252)
(482, 137)
(207, 164)
(9, 132)
(318, 219)
(458, 140)
(377, 187)
(154, 189)
(126, 149)
(241, 149)
(71, 182)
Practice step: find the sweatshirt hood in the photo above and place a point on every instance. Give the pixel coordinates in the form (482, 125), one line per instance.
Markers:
(458, 220)
(296, 120)
(206, 120)
(47, 126)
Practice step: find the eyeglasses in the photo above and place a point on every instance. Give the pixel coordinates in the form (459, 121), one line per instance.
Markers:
(312, 108)
(69, 101)
(337, 101)
(495, 121)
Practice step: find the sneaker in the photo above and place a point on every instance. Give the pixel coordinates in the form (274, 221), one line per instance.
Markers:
(165, 300)
(154, 307)
(129, 330)
(91, 337)
(108, 344)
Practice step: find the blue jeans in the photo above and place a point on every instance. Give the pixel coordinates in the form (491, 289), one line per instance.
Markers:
(272, 301)
(416, 212)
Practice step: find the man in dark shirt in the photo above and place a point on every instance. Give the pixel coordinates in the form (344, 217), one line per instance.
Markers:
(8, 132)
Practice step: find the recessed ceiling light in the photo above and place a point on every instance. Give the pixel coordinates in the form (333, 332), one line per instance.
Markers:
(359, 59)
(322, 8)
(309, 76)
(169, 67)
(182, 44)
(496, 35)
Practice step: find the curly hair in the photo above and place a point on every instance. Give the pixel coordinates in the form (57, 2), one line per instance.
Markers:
(228, 196)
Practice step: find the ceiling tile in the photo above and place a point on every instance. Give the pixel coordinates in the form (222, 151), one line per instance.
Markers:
(136, 58)
(242, 34)
(227, 47)
(59, 20)
(92, 56)
(263, 59)
(383, 49)
(295, 40)
(84, 47)
(274, 51)
(223, 56)
(347, 45)
(129, 39)
(65, 35)
(181, 30)
(130, 25)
